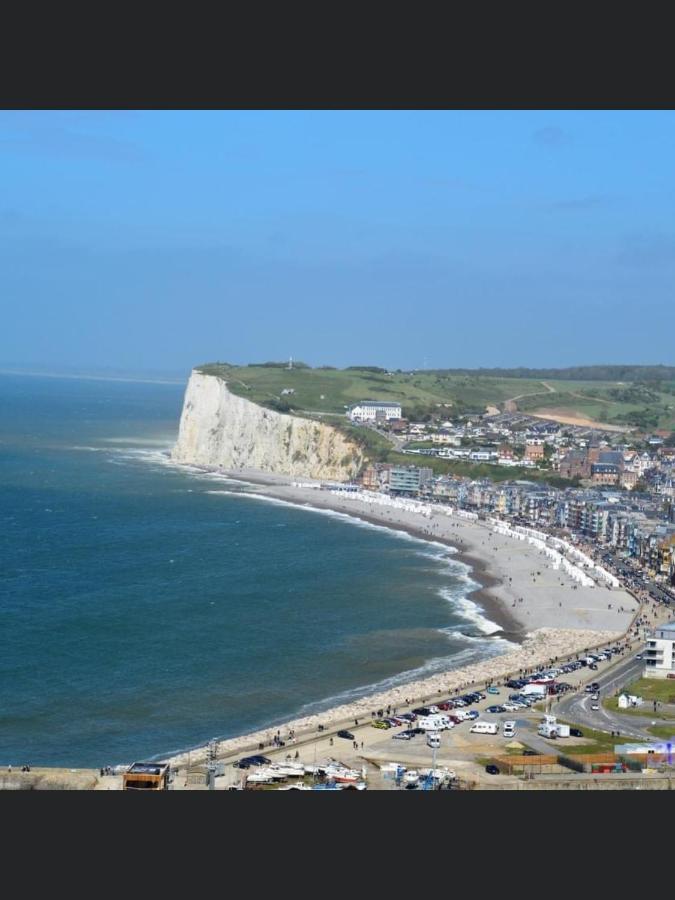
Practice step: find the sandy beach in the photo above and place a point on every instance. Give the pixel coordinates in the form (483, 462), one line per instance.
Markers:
(539, 606)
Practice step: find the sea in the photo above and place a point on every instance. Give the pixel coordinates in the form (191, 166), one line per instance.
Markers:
(147, 608)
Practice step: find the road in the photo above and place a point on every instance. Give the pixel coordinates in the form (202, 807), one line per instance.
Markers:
(577, 707)
(549, 390)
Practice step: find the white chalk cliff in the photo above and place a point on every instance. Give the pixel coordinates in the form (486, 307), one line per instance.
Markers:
(220, 429)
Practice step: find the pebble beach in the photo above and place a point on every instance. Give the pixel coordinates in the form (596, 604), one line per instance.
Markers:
(537, 605)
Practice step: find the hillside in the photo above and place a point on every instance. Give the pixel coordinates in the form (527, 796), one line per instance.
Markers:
(641, 400)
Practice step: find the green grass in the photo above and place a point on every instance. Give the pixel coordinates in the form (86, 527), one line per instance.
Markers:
(665, 732)
(602, 742)
(327, 390)
(646, 711)
(653, 689)
(332, 390)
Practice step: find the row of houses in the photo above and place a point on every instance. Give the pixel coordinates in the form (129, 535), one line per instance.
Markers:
(641, 527)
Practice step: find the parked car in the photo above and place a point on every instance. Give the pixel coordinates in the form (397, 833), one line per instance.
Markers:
(494, 690)
(491, 769)
(247, 761)
(346, 734)
(576, 732)
(496, 709)
(380, 723)
(474, 714)
(422, 711)
(592, 665)
(595, 707)
(406, 735)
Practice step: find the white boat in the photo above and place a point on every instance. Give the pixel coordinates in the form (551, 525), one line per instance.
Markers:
(342, 775)
(288, 770)
(262, 776)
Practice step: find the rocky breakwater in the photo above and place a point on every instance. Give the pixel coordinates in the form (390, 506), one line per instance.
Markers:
(221, 430)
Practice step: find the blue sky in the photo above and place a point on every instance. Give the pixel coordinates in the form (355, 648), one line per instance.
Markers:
(148, 240)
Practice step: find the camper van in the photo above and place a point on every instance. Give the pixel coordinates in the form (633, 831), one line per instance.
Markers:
(434, 723)
(433, 739)
(485, 728)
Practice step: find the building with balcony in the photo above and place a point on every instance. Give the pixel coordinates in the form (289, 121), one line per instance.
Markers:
(408, 479)
(660, 652)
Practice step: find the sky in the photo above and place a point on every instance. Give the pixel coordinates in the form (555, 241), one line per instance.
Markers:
(158, 240)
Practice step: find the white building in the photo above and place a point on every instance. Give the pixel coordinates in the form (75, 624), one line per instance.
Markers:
(372, 410)
(660, 652)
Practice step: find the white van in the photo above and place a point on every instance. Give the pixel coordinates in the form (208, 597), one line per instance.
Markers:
(433, 739)
(485, 728)
(509, 729)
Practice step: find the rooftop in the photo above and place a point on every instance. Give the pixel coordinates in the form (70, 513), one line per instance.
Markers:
(139, 768)
(376, 403)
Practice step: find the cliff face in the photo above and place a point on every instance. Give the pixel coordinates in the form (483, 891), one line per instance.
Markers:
(218, 428)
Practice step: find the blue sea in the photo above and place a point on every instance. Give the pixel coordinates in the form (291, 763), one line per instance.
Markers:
(147, 608)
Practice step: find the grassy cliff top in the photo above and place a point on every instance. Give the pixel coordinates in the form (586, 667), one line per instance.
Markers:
(647, 401)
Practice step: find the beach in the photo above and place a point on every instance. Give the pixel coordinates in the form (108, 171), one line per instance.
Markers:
(540, 608)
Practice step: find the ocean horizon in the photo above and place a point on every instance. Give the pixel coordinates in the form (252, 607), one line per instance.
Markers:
(149, 607)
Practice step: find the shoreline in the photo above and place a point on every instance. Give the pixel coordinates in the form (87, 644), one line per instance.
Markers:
(538, 644)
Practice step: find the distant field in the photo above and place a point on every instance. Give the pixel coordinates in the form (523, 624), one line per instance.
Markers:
(326, 391)
(333, 390)
(615, 403)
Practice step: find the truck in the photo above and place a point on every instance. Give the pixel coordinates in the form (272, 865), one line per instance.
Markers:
(535, 690)
(551, 728)
(547, 731)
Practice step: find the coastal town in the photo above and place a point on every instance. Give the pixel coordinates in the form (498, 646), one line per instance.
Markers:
(578, 579)
(337, 450)
(621, 493)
